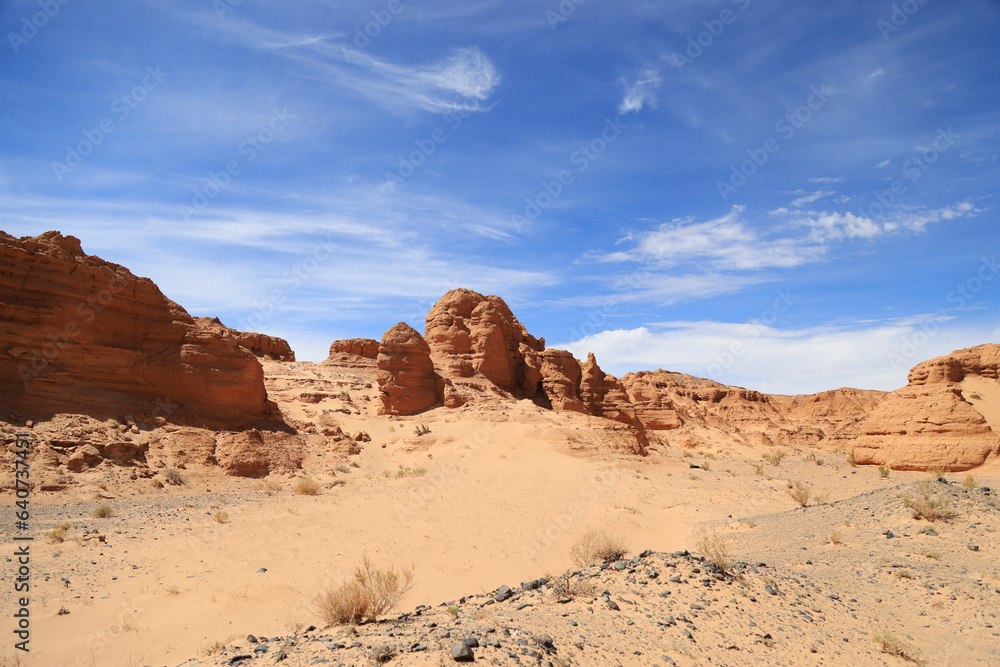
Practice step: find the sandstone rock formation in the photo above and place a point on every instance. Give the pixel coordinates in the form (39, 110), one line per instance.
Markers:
(84, 335)
(469, 333)
(929, 423)
(406, 373)
(260, 344)
(359, 347)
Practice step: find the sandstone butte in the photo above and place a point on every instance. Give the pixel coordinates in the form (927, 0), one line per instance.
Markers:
(84, 336)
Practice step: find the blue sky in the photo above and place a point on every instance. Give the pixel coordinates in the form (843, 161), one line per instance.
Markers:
(782, 196)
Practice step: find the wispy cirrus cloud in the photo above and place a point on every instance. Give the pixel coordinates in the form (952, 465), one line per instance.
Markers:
(456, 82)
(640, 90)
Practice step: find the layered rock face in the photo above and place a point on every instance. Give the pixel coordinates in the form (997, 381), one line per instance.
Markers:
(704, 412)
(358, 347)
(260, 344)
(931, 422)
(406, 375)
(82, 335)
(469, 333)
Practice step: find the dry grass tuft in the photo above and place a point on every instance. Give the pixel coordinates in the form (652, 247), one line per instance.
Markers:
(893, 645)
(173, 476)
(103, 512)
(714, 546)
(970, 482)
(598, 546)
(307, 486)
(365, 597)
(222, 517)
(566, 586)
(836, 537)
(930, 506)
(800, 493)
(883, 472)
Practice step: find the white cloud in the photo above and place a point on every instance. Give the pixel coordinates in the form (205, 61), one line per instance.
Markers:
(876, 73)
(458, 82)
(825, 179)
(640, 91)
(883, 164)
(836, 226)
(725, 243)
(810, 198)
(467, 74)
(775, 360)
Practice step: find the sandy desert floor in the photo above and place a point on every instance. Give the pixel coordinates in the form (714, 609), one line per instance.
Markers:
(184, 574)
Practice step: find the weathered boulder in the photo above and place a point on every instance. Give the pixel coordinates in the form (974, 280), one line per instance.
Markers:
(406, 375)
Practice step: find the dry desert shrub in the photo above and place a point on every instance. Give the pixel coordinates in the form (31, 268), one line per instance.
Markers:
(56, 536)
(597, 546)
(930, 506)
(970, 482)
(222, 517)
(365, 597)
(566, 586)
(714, 546)
(173, 476)
(893, 645)
(883, 472)
(307, 486)
(800, 493)
(103, 512)
(836, 537)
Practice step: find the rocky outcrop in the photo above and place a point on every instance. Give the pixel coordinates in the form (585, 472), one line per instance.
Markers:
(930, 423)
(561, 375)
(604, 395)
(358, 347)
(260, 344)
(82, 335)
(406, 375)
(469, 333)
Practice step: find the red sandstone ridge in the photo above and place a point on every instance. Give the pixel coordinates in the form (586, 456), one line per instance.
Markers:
(406, 374)
(941, 418)
(260, 344)
(82, 335)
